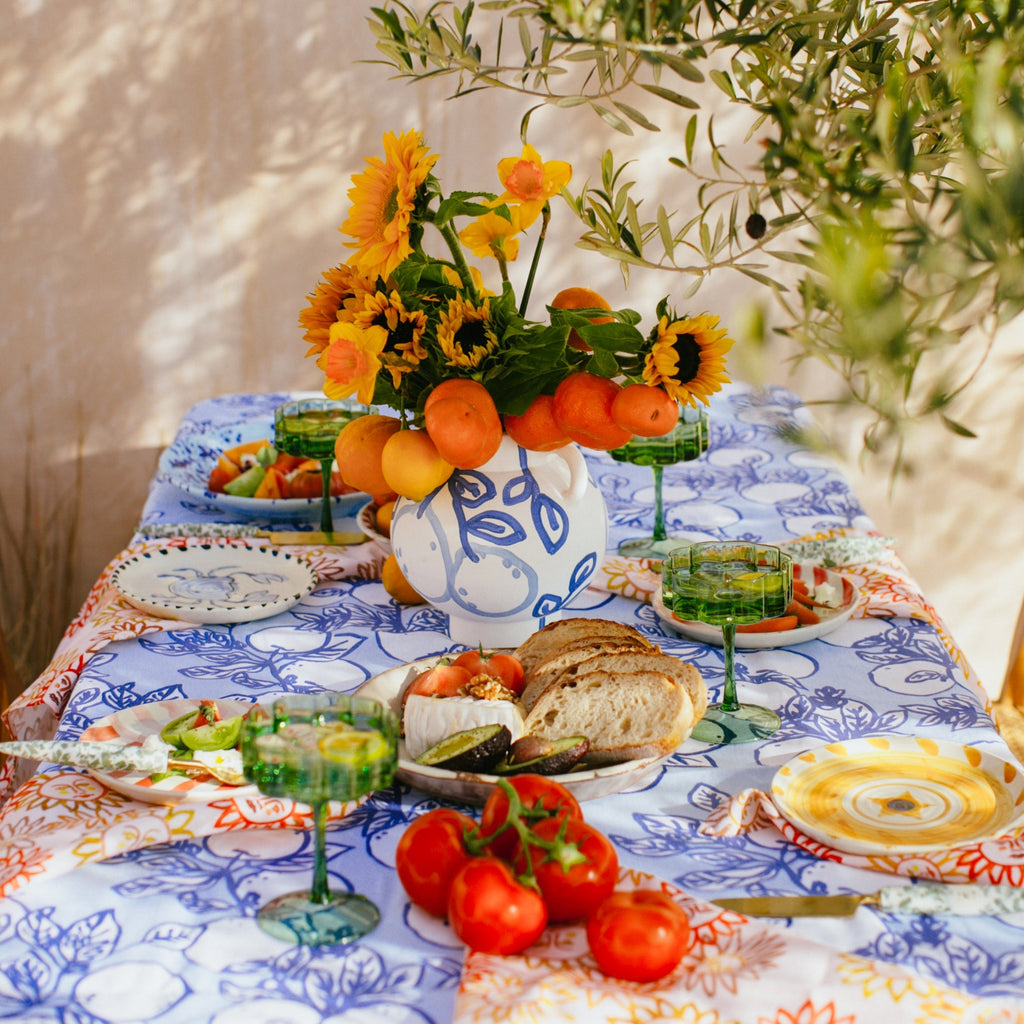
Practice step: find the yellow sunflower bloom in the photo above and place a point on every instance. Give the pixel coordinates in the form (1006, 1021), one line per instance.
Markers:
(465, 333)
(688, 358)
(351, 361)
(404, 349)
(492, 234)
(530, 182)
(383, 197)
(337, 297)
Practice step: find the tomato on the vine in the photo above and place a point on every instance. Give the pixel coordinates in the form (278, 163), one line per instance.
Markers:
(639, 935)
(577, 875)
(491, 911)
(535, 793)
(440, 681)
(430, 852)
(505, 667)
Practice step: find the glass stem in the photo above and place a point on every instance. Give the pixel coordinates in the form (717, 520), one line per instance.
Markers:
(326, 521)
(729, 701)
(319, 893)
(659, 507)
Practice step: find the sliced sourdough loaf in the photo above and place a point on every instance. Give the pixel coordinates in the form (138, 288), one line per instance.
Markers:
(558, 634)
(683, 674)
(624, 715)
(544, 672)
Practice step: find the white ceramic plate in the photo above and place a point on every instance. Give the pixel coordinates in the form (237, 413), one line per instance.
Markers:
(133, 725)
(187, 463)
(214, 583)
(472, 788)
(899, 795)
(831, 618)
(367, 522)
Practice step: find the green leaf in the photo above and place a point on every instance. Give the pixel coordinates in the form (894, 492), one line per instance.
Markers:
(957, 428)
(672, 97)
(636, 116)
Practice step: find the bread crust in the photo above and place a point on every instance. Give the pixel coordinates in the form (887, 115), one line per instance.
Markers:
(561, 632)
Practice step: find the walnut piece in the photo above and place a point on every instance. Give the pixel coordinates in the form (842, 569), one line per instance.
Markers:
(485, 687)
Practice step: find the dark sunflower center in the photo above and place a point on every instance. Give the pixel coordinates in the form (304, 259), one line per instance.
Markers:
(402, 333)
(471, 335)
(689, 357)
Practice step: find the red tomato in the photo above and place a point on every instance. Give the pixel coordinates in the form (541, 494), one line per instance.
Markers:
(490, 911)
(439, 681)
(638, 936)
(534, 791)
(578, 875)
(506, 667)
(429, 854)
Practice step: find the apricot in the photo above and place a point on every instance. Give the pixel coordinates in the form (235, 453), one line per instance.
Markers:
(463, 422)
(583, 410)
(581, 298)
(645, 410)
(396, 584)
(412, 465)
(359, 448)
(536, 428)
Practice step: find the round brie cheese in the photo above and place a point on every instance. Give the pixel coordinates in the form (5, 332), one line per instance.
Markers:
(428, 720)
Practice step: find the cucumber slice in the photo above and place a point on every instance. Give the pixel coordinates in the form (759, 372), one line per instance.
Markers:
(246, 484)
(471, 750)
(216, 736)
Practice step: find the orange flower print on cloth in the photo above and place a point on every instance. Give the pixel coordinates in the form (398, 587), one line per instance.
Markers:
(737, 969)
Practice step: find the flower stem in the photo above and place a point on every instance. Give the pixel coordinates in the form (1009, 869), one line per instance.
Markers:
(458, 257)
(545, 217)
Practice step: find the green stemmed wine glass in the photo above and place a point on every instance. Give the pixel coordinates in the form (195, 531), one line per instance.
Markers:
(728, 584)
(688, 440)
(314, 748)
(308, 428)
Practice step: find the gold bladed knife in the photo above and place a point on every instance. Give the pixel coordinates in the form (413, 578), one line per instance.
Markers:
(968, 900)
(244, 530)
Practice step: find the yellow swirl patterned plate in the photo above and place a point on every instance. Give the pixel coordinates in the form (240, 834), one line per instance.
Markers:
(899, 795)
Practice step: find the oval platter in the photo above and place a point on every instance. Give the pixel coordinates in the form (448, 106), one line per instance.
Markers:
(472, 788)
(899, 795)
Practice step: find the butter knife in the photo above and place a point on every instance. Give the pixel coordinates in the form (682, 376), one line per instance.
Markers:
(338, 537)
(970, 900)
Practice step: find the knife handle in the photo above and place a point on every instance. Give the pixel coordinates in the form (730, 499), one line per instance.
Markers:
(970, 900)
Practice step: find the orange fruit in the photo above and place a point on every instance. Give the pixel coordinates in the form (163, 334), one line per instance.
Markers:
(463, 422)
(358, 450)
(581, 298)
(384, 515)
(537, 429)
(645, 410)
(396, 584)
(412, 465)
(583, 410)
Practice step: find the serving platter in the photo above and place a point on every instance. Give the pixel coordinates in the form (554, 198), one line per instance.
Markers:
(187, 462)
(831, 618)
(366, 520)
(899, 795)
(134, 725)
(214, 584)
(474, 788)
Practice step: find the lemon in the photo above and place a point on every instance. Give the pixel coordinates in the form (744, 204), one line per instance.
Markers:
(346, 745)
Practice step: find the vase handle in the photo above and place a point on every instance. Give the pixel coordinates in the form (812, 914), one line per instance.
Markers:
(579, 475)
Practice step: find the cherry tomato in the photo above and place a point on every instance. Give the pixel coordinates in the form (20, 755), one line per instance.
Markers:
(578, 875)
(638, 936)
(429, 854)
(534, 791)
(506, 667)
(439, 681)
(490, 911)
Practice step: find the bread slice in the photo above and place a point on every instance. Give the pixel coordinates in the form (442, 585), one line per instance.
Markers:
(682, 673)
(544, 672)
(624, 715)
(557, 634)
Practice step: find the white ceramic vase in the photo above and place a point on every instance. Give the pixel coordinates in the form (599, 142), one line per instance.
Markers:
(502, 548)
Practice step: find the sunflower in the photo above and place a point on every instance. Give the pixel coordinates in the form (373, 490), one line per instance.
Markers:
(493, 235)
(336, 297)
(383, 198)
(688, 358)
(466, 334)
(351, 361)
(530, 182)
(404, 349)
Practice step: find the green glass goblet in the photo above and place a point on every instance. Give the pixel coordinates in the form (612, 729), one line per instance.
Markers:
(308, 429)
(314, 748)
(688, 440)
(728, 584)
